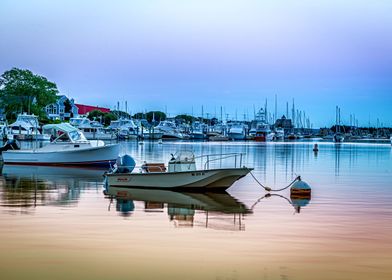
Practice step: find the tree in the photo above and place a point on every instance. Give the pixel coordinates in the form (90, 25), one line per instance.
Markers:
(157, 116)
(104, 118)
(185, 118)
(68, 107)
(23, 91)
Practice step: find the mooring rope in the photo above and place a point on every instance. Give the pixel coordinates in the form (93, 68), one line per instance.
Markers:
(268, 189)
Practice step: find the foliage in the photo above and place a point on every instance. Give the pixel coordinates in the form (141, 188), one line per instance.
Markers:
(23, 91)
(185, 118)
(104, 118)
(149, 116)
(67, 106)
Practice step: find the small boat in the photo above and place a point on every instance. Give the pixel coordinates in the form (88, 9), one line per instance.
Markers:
(70, 148)
(180, 174)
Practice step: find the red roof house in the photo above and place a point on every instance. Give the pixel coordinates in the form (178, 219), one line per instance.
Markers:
(85, 109)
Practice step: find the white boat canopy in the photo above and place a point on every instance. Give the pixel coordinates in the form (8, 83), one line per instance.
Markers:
(64, 132)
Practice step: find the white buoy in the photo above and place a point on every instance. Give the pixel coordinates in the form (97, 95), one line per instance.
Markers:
(160, 141)
(300, 189)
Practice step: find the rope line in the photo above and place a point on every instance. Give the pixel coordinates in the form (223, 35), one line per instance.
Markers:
(268, 189)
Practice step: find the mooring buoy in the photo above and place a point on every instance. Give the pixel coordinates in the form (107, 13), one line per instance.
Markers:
(315, 148)
(300, 189)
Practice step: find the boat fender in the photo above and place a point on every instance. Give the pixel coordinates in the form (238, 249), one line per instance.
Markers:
(125, 164)
(300, 189)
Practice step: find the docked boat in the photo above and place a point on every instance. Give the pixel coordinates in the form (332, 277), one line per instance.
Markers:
(197, 131)
(264, 133)
(237, 132)
(26, 127)
(169, 130)
(70, 147)
(124, 128)
(92, 130)
(181, 173)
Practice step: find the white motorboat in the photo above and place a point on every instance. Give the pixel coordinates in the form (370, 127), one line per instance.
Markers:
(182, 173)
(26, 127)
(279, 134)
(92, 130)
(197, 131)
(125, 128)
(237, 132)
(338, 137)
(69, 148)
(169, 130)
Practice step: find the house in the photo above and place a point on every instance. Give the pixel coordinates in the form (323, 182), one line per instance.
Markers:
(60, 110)
(284, 123)
(85, 109)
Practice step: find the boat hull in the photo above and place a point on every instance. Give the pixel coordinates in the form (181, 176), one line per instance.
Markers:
(236, 136)
(213, 179)
(103, 156)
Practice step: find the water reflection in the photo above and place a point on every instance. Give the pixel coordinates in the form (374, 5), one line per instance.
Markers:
(26, 187)
(296, 201)
(184, 209)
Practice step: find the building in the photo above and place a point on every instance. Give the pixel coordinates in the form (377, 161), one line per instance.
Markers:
(284, 123)
(59, 110)
(85, 109)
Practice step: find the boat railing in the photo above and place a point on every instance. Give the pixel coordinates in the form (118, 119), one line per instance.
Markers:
(212, 158)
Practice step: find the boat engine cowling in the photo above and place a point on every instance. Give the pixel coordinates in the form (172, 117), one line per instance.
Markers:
(125, 164)
(11, 144)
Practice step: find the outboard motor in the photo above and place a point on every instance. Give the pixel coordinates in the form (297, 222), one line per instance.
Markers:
(125, 164)
(11, 144)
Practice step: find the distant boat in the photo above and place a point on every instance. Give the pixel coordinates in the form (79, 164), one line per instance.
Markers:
(124, 128)
(70, 148)
(197, 131)
(237, 132)
(169, 130)
(92, 130)
(26, 127)
(279, 134)
(338, 136)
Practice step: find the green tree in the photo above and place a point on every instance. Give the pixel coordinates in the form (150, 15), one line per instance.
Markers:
(23, 91)
(157, 116)
(186, 118)
(68, 107)
(104, 118)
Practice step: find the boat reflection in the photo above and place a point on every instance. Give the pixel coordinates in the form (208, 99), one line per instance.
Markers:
(184, 209)
(25, 187)
(297, 201)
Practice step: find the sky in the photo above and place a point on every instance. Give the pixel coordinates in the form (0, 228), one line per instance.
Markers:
(180, 56)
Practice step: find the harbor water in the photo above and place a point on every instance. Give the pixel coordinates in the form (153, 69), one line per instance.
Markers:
(57, 223)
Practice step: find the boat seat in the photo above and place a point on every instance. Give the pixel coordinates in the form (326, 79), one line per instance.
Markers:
(154, 167)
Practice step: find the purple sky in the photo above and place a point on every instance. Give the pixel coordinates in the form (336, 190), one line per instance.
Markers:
(181, 55)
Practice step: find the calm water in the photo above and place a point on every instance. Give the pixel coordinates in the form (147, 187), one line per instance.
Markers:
(56, 223)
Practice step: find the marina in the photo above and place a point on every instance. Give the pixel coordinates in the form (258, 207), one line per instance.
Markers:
(242, 227)
(195, 140)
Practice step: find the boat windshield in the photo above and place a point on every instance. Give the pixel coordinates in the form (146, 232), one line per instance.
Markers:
(184, 156)
(76, 136)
